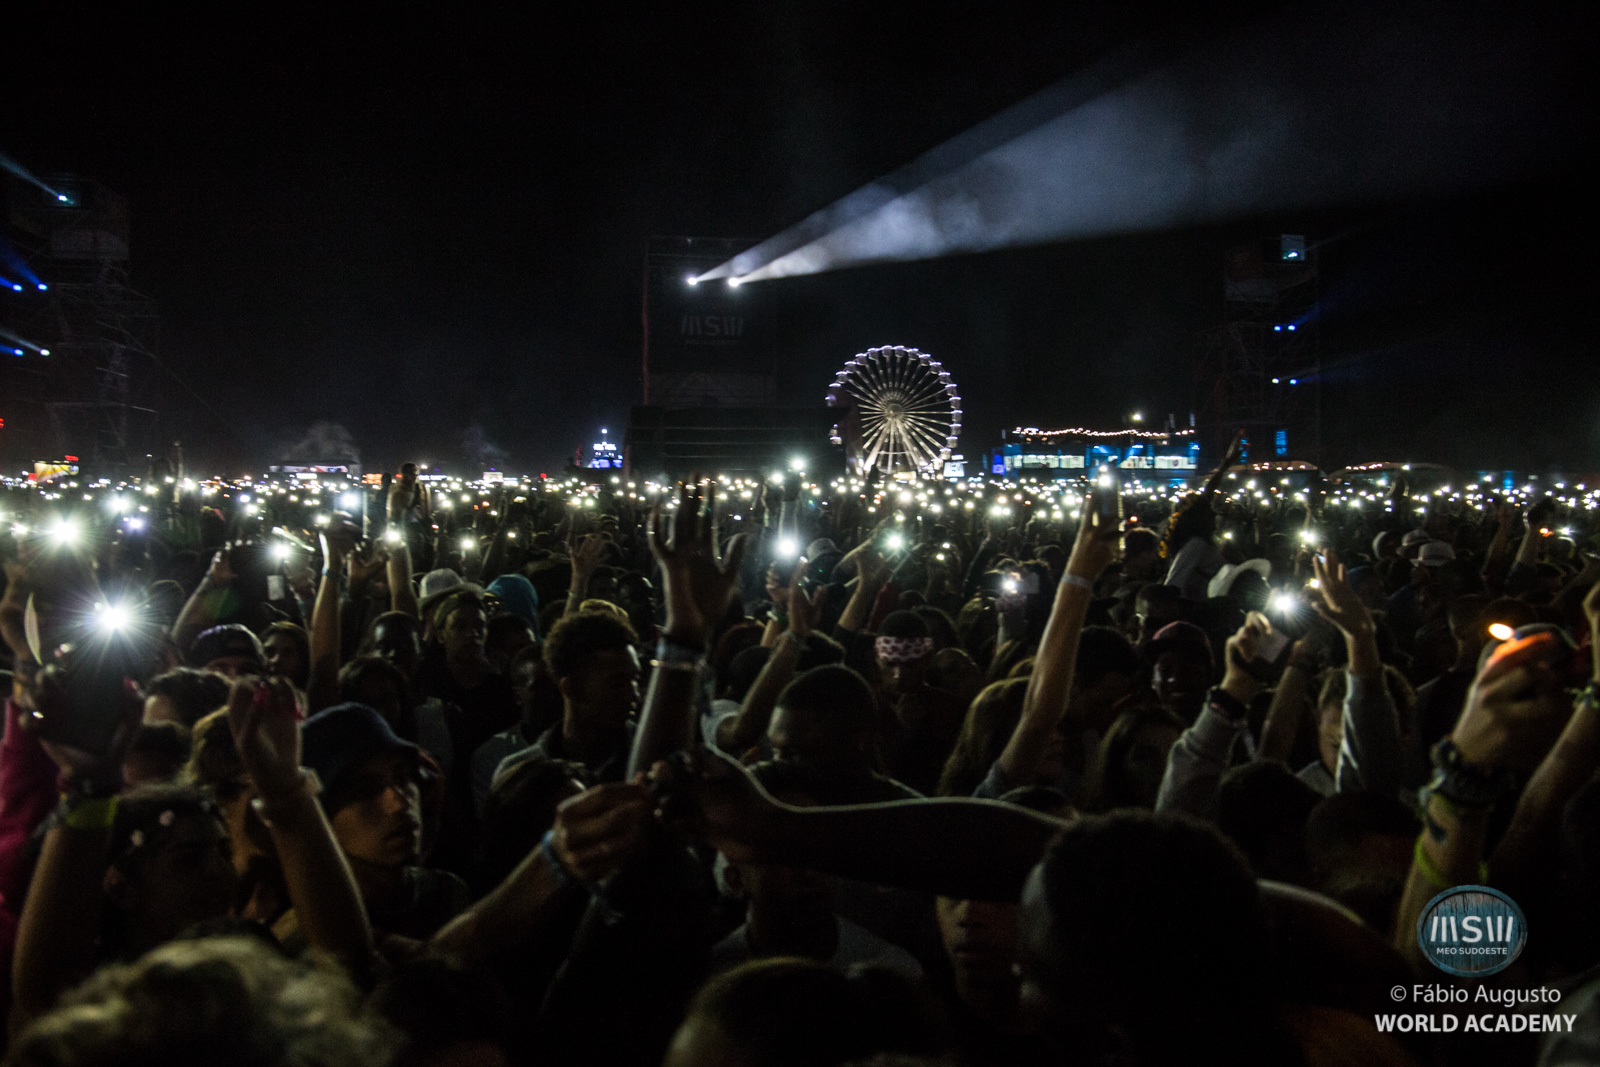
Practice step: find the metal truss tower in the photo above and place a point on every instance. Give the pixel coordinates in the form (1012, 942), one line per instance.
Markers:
(92, 395)
(1261, 370)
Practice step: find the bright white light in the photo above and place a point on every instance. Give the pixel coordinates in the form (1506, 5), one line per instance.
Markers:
(135, 524)
(349, 501)
(691, 280)
(1284, 603)
(1308, 536)
(392, 536)
(1500, 631)
(65, 532)
(788, 548)
(113, 617)
(467, 544)
(798, 463)
(280, 551)
(894, 542)
(319, 519)
(734, 283)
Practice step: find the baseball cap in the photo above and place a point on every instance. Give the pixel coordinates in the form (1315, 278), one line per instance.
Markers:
(1184, 638)
(223, 641)
(336, 741)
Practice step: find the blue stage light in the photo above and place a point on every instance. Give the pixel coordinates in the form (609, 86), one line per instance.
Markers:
(43, 287)
(1294, 381)
(1277, 329)
(15, 288)
(16, 352)
(1291, 326)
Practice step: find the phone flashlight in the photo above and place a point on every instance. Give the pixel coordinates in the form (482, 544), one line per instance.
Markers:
(894, 542)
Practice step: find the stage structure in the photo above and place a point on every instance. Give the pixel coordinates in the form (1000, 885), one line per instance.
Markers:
(708, 381)
(901, 411)
(86, 386)
(1261, 370)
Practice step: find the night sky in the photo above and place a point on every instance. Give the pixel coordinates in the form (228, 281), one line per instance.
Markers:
(429, 228)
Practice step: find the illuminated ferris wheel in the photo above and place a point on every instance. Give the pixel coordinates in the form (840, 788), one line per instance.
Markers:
(905, 411)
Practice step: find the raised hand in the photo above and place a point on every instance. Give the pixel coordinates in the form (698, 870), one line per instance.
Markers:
(1099, 539)
(367, 562)
(1243, 647)
(709, 796)
(1336, 601)
(265, 720)
(697, 582)
(587, 552)
(598, 830)
(402, 491)
(220, 574)
(1515, 709)
(804, 610)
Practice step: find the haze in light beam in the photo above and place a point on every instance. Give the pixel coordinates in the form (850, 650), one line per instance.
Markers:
(1317, 108)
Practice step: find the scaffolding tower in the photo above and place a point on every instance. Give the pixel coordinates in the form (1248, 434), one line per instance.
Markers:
(93, 395)
(1261, 370)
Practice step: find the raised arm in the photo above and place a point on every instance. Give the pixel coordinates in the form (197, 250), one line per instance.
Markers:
(956, 846)
(207, 604)
(697, 587)
(1513, 712)
(322, 690)
(1200, 755)
(402, 490)
(586, 554)
(60, 920)
(1050, 685)
(1289, 702)
(735, 733)
(266, 730)
(1530, 845)
(1370, 757)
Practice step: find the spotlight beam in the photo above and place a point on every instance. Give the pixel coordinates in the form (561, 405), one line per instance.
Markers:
(1312, 108)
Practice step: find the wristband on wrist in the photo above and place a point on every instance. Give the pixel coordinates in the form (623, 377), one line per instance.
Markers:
(1078, 580)
(1466, 785)
(1227, 705)
(563, 874)
(670, 649)
(81, 812)
(266, 811)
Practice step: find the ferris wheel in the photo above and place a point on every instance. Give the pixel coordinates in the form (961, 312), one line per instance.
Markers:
(906, 411)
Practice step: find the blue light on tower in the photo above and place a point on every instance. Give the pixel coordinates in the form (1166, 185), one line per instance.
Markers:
(1280, 441)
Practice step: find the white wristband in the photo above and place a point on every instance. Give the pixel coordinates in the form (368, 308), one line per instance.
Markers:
(1078, 580)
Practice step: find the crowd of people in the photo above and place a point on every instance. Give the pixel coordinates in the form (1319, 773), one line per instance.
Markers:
(803, 775)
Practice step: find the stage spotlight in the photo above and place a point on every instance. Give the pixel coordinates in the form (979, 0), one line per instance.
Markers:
(44, 351)
(63, 198)
(43, 287)
(734, 283)
(16, 352)
(15, 288)
(691, 280)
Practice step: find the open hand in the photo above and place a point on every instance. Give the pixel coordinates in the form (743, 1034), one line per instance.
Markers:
(803, 610)
(1335, 600)
(265, 720)
(1515, 709)
(698, 583)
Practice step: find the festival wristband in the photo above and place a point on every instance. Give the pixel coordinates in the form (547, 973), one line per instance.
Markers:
(1079, 581)
(88, 813)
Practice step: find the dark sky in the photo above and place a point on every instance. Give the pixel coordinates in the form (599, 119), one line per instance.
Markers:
(428, 227)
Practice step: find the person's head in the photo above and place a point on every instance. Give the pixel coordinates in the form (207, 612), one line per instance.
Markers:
(592, 657)
(1141, 555)
(159, 752)
(452, 1015)
(1467, 623)
(506, 636)
(396, 637)
(1181, 668)
(1131, 760)
(230, 650)
(1117, 900)
(1262, 807)
(538, 698)
(1359, 847)
(904, 647)
(991, 718)
(787, 1012)
(380, 685)
(1156, 607)
(462, 621)
(1106, 672)
(288, 652)
(171, 867)
(231, 1000)
(825, 718)
(184, 695)
(369, 781)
